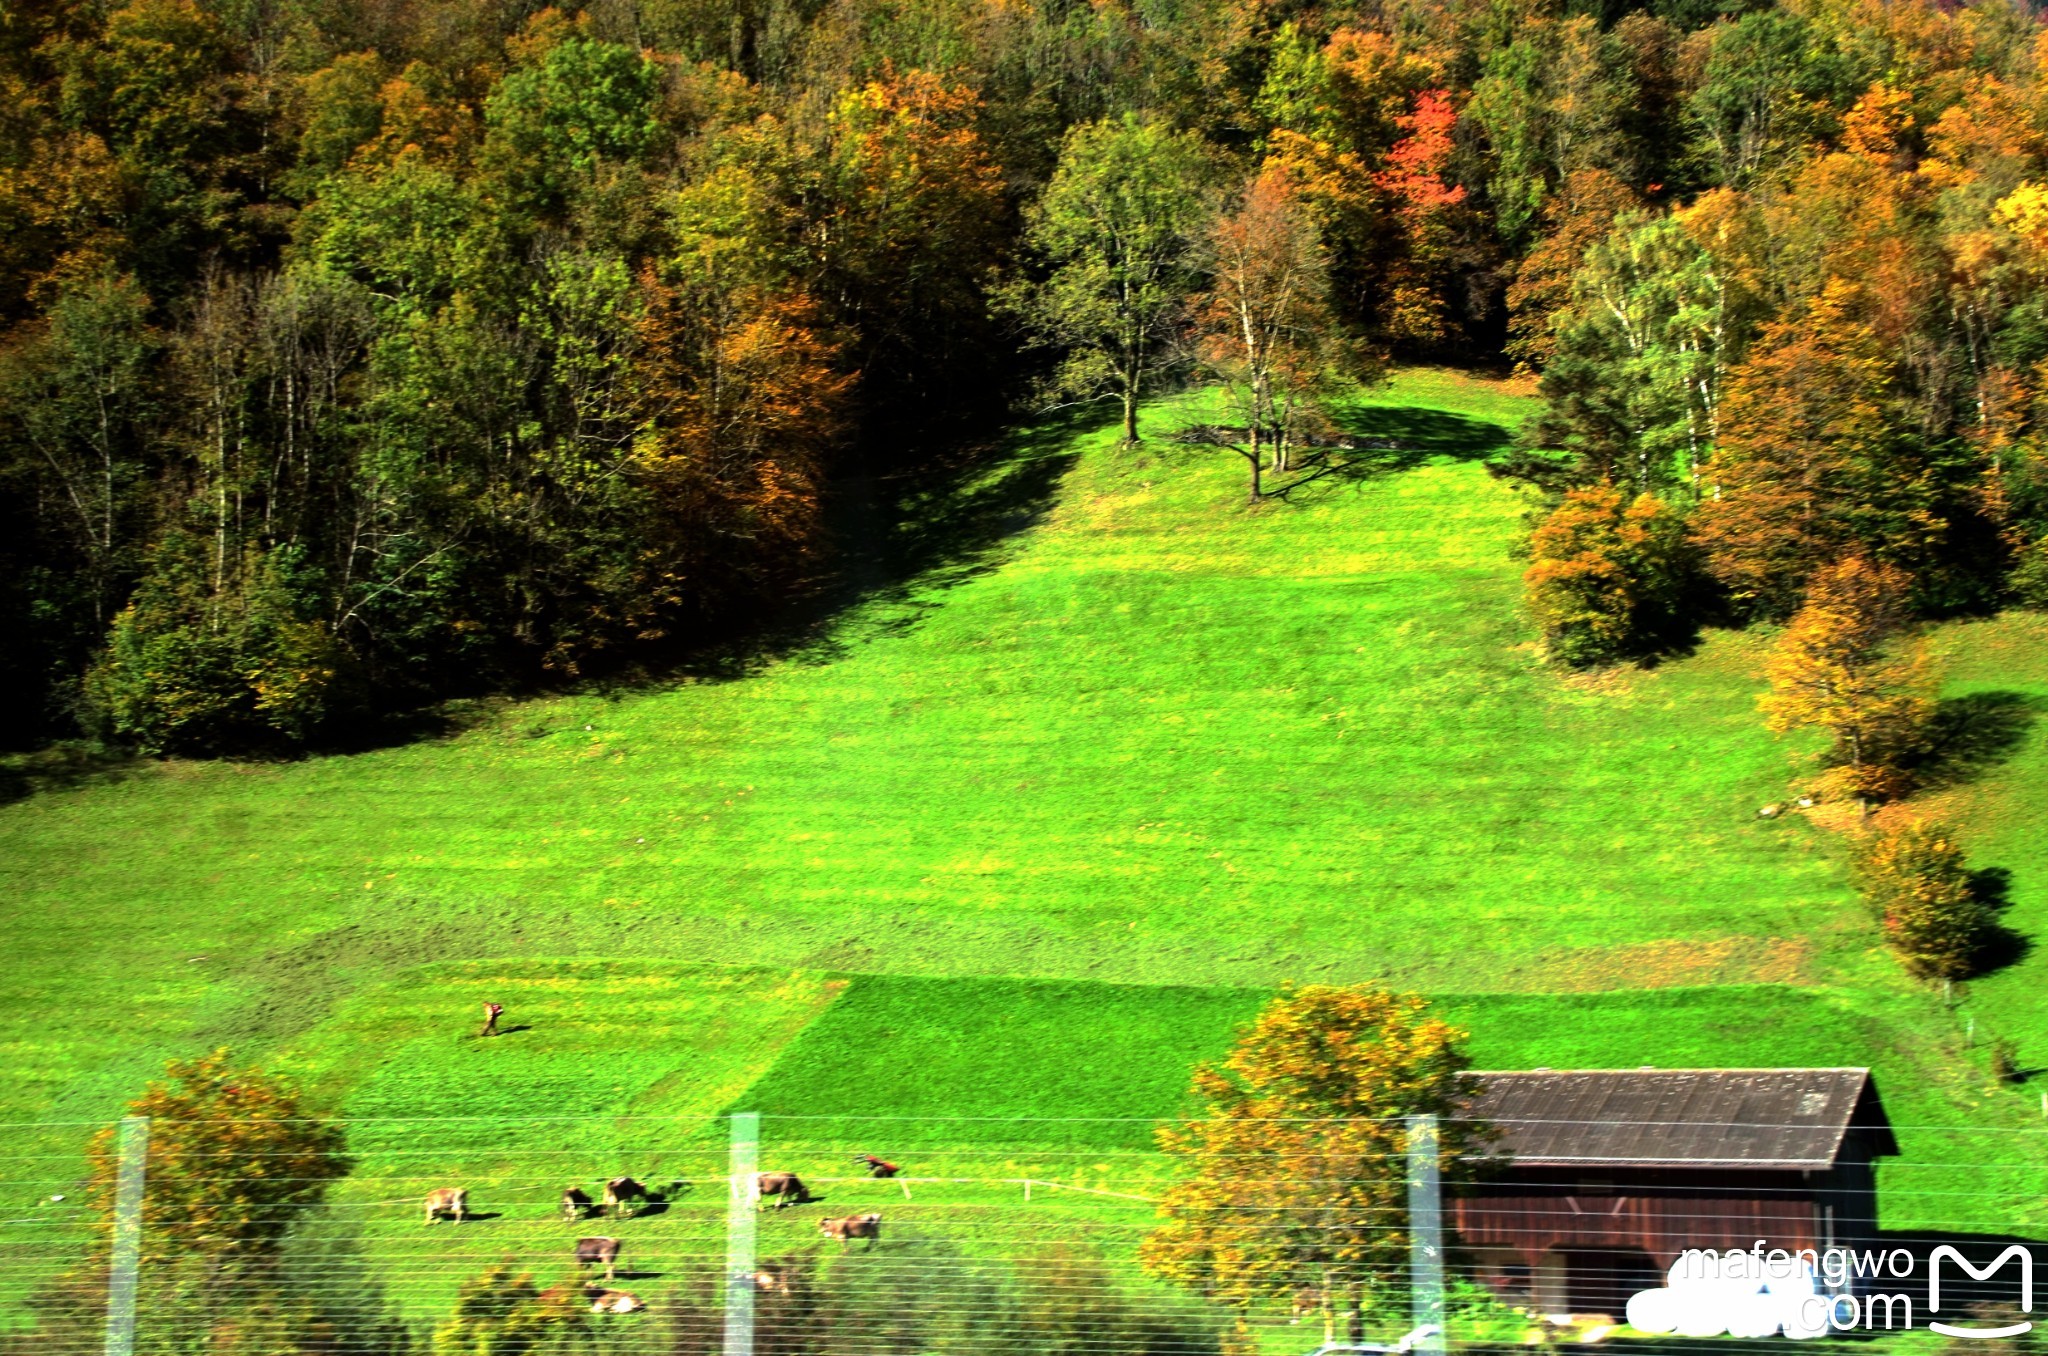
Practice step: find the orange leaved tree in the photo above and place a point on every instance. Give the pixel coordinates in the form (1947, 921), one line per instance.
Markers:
(1829, 670)
(1296, 1168)
(1265, 328)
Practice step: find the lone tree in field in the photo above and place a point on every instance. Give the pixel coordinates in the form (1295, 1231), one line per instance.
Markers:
(1829, 670)
(1119, 224)
(1265, 328)
(1919, 883)
(1296, 1168)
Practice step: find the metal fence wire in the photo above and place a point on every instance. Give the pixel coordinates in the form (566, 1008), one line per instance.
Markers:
(773, 1236)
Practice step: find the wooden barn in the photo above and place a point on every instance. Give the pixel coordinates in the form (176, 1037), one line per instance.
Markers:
(1610, 1174)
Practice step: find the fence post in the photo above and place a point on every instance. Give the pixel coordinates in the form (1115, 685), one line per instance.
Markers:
(741, 1209)
(126, 1261)
(1425, 1233)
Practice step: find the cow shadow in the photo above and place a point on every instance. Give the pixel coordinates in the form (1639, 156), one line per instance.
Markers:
(635, 1274)
(479, 1216)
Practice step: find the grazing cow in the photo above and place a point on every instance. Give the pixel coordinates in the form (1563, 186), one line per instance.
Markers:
(852, 1227)
(598, 1251)
(450, 1201)
(786, 1187)
(877, 1167)
(575, 1205)
(770, 1282)
(621, 1192)
(603, 1301)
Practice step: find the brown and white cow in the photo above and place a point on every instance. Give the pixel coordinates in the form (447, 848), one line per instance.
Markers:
(603, 1301)
(598, 1251)
(450, 1201)
(852, 1227)
(623, 1192)
(575, 1204)
(786, 1187)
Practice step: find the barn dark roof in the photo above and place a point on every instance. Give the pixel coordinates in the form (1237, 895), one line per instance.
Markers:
(1680, 1118)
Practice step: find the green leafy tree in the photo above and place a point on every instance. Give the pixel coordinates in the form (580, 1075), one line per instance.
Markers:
(1119, 227)
(1294, 1169)
(1552, 102)
(190, 668)
(551, 125)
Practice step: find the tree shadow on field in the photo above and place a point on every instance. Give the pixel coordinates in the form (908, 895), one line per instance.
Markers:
(904, 538)
(63, 767)
(1370, 441)
(1999, 946)
(1972, 734)
(1402, 437)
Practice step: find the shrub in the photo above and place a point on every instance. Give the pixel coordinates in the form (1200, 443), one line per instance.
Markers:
(1919, 883)
(1607, 577)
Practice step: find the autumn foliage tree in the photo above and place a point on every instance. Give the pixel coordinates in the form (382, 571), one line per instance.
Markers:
(1608, 576)
(234, 1160)
(1830, 671)
(1425, 205)
(236, 1163)
(1265, 329)
(1919, 883)
(1294, 1167)
(1812, 458)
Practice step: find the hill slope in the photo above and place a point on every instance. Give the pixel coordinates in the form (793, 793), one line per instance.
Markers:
(1150, 736)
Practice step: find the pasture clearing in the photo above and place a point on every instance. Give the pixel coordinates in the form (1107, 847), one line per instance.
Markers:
(1138, 734)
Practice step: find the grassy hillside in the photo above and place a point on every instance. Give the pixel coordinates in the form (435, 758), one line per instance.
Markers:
(1140, 733)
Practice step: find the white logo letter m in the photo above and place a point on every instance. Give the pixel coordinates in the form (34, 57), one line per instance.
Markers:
(2026, 1289)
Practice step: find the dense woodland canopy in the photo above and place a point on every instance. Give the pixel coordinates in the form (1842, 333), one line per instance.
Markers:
(356, 354)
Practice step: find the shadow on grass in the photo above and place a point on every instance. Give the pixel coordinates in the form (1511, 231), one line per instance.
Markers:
(1999, 946)
(903, 539)
(64, 767)
(1414, 434)
(1371, 441)
(1972, 734)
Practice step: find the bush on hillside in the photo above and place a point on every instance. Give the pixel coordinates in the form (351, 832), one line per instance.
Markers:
(214, 657)
(1918, 882)
(1608, 577)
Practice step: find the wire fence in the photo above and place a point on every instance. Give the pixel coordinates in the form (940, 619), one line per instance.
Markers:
(772, 1236)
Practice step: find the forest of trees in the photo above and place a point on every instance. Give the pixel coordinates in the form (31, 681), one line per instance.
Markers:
(357, 354)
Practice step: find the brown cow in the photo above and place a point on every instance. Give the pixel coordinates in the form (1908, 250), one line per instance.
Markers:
(603, 1301)
(598, 1251)
(575, 1205)
(450, 1201)
(852, 1227)
(877, 1167)
(621, 1192)
(786, 1187)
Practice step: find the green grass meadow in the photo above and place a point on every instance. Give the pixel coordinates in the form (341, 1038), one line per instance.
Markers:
(1025, 837)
